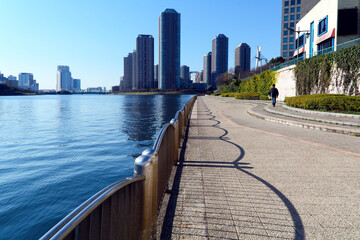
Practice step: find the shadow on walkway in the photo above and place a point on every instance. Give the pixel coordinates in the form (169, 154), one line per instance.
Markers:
(168, 221)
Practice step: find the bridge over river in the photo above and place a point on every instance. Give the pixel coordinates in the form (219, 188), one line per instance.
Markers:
(240, 177)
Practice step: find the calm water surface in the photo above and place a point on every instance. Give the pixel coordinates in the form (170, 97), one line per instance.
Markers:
(57, 151)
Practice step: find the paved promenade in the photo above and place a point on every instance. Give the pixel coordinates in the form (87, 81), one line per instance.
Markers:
(242, 177)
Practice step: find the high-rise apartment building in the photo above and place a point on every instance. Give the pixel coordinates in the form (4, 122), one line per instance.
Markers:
(64, 80)
(25, 80)
(169, 50)
(156, 76)
(184, 76)
(292, 12)
(207, 69)
(76, 85)
(135, 84)
(128, 72)
(145, 61)
(242, 58)
(219, 60)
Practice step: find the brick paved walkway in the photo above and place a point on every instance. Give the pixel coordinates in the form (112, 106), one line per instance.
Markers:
(235, 183)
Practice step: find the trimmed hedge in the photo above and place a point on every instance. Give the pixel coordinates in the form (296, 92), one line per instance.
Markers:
(327, 102)
(231, 94)
(248, 95)
(263, 97)
(216, 94)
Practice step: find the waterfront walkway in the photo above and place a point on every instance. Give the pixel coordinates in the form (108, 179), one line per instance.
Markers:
(242, 177)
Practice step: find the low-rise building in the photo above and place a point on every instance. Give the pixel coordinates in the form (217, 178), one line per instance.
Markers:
(327, 25)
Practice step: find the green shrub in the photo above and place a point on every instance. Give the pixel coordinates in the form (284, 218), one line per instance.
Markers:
(260, 83)
(327, 102)
(248, 95)
(264, 97)
(230, 94)
(216, 94)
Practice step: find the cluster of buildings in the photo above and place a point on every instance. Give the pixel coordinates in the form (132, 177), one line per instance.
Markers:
(64, 81)
(140, 72)
(314, 27)
(24, 81)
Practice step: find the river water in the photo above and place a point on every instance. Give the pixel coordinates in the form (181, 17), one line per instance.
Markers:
(56, 151)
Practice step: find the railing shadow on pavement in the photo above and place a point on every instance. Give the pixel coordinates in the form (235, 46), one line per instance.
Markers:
(168, 221)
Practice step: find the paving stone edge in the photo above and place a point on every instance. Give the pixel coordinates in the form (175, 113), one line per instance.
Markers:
(352, 132)
(267, 109)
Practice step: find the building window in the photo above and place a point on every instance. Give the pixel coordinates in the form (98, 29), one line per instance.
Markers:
(291, 53)
(286, 11)
(300, 41)
(291, 46)
(285, 32)
(292, 24)
(298, 9)
(286, 25)
(297, 16)
(326, 46)
(292, 10)
(292, 2)
(286, 3)
(298, 1)
(323, 26)
(348, 22)
(291, 39)
(292, 17)
(285, 47)
(285, 54)
(286, 18)
(285, 40)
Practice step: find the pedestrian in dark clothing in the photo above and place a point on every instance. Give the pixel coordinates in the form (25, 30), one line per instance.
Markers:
(274, 93)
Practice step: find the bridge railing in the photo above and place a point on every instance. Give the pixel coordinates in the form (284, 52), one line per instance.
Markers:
(127, 209)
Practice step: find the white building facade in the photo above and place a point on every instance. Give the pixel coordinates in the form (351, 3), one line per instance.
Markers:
(328, 24)
(64, 81)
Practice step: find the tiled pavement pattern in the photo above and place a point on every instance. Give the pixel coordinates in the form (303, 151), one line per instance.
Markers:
(234, 182)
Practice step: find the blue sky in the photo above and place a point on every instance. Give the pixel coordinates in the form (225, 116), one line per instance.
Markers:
(93, 37)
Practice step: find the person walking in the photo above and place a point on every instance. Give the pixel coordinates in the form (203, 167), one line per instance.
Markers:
(274, 93)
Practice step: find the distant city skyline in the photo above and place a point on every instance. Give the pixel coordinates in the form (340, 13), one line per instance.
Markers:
(95, 48)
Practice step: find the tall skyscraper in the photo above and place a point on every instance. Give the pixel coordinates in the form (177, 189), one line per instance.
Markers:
(145, 61)
(64, 81)
(135, 83)
(156, 76)
(128, 72)
(26, 80)
(169, 49)
(76, 84)
(242, 58)
(207, 68)
(219, 60)
(184, 76)
(292, 12)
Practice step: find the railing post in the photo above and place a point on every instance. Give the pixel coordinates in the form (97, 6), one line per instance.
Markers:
(147, 165)
(176, 123)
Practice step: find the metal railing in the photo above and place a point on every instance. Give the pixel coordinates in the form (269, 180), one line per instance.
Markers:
(320, 52)
(128, 208)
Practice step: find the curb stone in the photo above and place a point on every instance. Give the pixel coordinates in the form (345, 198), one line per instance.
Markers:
(352, 132)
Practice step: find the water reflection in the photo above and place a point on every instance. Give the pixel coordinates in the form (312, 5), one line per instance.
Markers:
(145, 115)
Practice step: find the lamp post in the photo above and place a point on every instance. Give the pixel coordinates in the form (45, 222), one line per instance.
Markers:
(307, 32)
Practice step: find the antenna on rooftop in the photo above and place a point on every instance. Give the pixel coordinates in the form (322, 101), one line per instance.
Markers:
(259, 58)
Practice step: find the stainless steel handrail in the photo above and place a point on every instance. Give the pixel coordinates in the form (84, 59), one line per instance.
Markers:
(69, 223)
